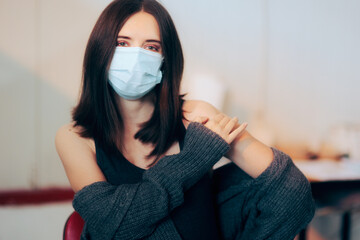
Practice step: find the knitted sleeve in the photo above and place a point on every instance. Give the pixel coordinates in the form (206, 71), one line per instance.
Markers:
(133, 211)
(275, 205)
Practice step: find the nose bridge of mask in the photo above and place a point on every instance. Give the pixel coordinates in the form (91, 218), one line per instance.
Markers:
(137, 59)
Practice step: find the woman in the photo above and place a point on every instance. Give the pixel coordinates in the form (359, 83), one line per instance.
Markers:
(139, 157)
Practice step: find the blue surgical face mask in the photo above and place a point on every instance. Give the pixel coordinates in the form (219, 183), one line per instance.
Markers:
(134, 71)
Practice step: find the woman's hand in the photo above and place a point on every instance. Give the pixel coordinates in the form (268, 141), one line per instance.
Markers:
(226, 127)
(246, 152)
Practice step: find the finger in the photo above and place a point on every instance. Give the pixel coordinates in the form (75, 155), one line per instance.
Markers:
(218, 117)
(231, 124)
(237, 131)
(210, 124)
(201, 119)
(224, 121)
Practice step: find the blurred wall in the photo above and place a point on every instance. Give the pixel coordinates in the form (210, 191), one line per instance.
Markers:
(313, 68)
(41, 50)
(289, 68)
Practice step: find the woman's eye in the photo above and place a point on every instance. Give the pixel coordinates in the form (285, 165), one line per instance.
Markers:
(153, 48)
(122, 44)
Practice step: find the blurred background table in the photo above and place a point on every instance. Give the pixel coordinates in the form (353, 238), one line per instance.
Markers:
(336, 189)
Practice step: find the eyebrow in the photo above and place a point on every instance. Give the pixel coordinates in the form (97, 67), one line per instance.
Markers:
(148, 40)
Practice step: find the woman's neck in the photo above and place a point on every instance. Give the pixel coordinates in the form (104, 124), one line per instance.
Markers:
(135, 112)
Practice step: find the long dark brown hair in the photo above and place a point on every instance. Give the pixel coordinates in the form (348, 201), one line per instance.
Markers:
(97, 110)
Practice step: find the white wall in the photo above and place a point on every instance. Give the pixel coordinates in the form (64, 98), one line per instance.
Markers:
(290, 68)
(41, 50)
(18, 140)
(41, 222)
(314, 59)
(223, 39)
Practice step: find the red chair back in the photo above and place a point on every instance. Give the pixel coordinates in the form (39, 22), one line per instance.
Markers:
(73, 227)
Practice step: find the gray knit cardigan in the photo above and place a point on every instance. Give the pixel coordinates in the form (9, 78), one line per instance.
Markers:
(275, 205)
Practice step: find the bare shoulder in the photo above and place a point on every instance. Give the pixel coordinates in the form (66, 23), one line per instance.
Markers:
(69, 133)
(78, 157)
(194, 108)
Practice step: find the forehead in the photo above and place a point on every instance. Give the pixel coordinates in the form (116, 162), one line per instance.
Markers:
(141, 25)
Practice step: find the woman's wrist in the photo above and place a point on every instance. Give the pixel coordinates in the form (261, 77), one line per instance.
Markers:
(250, 155)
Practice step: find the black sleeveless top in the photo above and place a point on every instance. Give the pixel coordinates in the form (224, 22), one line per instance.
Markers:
(194, 219)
